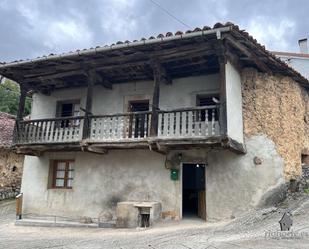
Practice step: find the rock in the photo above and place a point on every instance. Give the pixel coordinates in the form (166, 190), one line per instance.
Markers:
(85, 220)
(105, 216)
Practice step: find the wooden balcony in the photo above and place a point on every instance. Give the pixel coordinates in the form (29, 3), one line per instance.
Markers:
(196, 125)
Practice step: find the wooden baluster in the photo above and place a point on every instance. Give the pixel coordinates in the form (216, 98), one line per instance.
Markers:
(193, 123)
(133, 126)
(73, 128)
(99, 129)
(46, 131)
(180, 124)
(149, 124)
(57, 128)
(110, 128)
(187, 123)
(160, 114)
(163, 124)
(93, 128)
(145, 124)
(127, 125)
(115, 124)
(174, 123)
(43, 130)
(199, 122)
(139, 126)
(213, 121)
(104, 133)
(206, 122)
(25, 137)
(34, 132)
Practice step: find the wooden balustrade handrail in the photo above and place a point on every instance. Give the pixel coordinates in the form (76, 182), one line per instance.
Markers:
(119, 114)
(209, 107)
(52, 119)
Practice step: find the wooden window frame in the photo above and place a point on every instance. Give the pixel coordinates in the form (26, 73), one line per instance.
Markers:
(66, 172)
(61, 102)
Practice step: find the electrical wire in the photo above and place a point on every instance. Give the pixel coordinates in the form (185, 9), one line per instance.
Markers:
(169, 13)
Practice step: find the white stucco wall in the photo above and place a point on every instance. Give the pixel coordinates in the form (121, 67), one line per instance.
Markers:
(182, 93)
(234, 184)
(100, 181)
(234, 104)
(298, 63)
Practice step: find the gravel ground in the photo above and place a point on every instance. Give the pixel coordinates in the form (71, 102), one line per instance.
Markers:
(256, 229)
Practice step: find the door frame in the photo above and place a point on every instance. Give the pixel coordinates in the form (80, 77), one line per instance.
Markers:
(181, 184)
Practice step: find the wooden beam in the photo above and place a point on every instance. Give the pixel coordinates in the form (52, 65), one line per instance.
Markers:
(155, 98)
(22, 102)
(259, 63)
(99, 80)
(88, 107)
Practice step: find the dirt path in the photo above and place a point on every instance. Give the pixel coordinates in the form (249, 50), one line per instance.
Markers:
(248, 231)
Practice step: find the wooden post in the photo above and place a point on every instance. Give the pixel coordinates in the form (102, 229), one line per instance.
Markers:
(155, 100)
(87, 121)
(223, 111)
(19, 203)
(22, 102)
(20, 112)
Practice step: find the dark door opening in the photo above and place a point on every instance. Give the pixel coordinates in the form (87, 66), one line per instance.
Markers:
(139, 123)
(193, 190)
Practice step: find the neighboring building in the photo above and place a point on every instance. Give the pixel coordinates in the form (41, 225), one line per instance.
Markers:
(298, 61)
(205, 122)
(10, 163)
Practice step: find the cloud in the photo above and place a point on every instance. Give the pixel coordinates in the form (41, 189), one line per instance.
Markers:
(32, 28)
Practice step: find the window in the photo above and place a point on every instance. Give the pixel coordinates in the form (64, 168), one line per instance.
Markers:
(210, 101)
(69, 108)
(63, 174)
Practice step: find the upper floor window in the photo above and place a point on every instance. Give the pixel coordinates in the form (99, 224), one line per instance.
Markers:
(68, 108)
(63, 174)
(210, 101)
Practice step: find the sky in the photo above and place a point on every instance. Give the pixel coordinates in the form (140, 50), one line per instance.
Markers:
(32, 28)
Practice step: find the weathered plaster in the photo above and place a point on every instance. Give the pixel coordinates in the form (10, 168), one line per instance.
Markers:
(235, 184)
(100, 182)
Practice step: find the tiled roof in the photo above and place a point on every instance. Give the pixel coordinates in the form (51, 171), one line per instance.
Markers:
(120, 44)
(7, 123)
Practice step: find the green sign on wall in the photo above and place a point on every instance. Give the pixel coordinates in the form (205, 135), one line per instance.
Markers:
(174, 174)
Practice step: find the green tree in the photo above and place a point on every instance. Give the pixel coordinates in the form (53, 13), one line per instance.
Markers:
(9, 98)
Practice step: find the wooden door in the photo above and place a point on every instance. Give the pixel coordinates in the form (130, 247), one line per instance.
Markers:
(202, 204)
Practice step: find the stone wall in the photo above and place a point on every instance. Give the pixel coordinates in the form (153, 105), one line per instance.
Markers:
(10, 173)
(277, 107)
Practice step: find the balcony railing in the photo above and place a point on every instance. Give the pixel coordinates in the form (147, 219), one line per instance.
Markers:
(120, 126)
(56, 130)
(198, 122)
(189, 122)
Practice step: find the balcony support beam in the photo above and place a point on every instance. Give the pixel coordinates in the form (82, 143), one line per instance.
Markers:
(157, 75)
(87, 126)
(22, 102)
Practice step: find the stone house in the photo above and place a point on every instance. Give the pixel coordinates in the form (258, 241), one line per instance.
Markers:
(10, 162)
(206, 122)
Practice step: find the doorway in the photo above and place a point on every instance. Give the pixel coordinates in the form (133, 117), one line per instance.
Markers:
(193, 191)
(138, 122)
